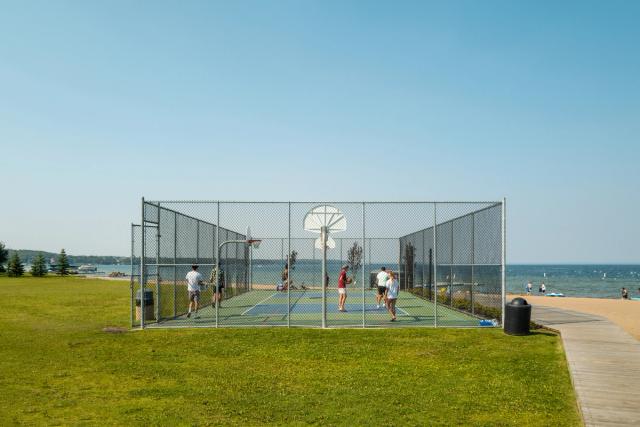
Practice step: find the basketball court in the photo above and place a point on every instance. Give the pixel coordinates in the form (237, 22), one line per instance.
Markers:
(304, 308)
(447, 259)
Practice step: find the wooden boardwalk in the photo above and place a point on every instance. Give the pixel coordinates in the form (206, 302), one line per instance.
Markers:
(604, 362)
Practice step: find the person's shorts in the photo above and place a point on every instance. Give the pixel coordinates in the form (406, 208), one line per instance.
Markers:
(342, 291)
(381, 290)
(194, 296)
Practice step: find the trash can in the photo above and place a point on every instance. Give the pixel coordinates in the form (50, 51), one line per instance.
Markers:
(517, 316)
(149, 313)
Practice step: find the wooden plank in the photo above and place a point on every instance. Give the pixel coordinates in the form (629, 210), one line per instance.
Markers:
(604, 362)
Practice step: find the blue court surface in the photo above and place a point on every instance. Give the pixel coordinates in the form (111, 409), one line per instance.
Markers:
(304, 308)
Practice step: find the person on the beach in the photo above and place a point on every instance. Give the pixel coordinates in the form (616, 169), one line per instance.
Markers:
(343, 280)
(194, 280)
(625, 293)
(543, 288)
(381, 280)
(529, 287)
(217, 280)
(392, 289)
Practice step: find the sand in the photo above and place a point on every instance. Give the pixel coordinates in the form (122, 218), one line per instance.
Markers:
(625, 313)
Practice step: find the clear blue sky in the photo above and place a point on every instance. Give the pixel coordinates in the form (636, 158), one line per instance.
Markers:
(104, 102)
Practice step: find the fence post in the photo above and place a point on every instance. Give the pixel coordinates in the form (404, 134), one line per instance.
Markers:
(132, 304)
(142, 275)
(158, 266)
(400, 275)
(473, 259)
(504, 258)
(364, 235)
(217, 266)
(435, 265)
(451, 268)
(424, 244)
(175, 261)
(289, 269)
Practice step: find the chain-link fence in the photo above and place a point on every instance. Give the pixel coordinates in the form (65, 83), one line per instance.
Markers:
(447, 258)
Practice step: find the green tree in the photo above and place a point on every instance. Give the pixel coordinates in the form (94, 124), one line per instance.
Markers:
(354, 260)
(63, 263)
(39, 266)
(15, 267)
(409, 257)
(4, 256)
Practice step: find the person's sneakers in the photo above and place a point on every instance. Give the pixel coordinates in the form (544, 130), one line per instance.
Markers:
(189, 314)
(392, 320)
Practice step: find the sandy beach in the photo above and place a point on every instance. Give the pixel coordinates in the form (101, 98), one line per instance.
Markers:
(625, 313)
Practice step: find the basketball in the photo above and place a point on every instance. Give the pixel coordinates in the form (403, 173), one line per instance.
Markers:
(349, 280)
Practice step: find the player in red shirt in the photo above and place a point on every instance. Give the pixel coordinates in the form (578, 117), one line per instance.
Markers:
(343, 280)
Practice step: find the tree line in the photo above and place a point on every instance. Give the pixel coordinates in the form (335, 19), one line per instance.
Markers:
(15, 266)
(29, 255)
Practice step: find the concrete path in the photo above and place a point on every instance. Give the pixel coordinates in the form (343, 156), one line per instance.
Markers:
(604, 362)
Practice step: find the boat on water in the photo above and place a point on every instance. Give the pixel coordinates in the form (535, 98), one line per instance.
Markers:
(87, 268)
(54, 268)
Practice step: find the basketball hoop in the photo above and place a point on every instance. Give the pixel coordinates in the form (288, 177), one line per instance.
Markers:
(254, 243)
(324, 220)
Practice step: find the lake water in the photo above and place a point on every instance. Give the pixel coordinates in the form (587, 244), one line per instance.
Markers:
(596, 281)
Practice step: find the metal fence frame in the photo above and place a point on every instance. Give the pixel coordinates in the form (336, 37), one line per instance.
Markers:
(142, 270)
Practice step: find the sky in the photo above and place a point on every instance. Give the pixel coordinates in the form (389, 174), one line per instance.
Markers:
(102, 103)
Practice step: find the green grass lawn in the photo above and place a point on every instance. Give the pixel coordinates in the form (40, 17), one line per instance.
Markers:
(57, 366)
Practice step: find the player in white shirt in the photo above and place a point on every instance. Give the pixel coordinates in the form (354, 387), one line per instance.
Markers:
(381, 282)
(194, 280)
(393, 289)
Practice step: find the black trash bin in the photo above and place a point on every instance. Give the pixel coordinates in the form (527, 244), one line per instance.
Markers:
(517, 316)
(148, 305)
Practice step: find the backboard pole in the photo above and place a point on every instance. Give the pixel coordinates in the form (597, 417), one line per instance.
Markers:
(250, 267)
(323, 238)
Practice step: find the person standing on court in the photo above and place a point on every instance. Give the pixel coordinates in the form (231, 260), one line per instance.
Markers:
(381, 281)
(194, 280)
(392, 289)
(217, 281)
(285, 277)
(343, 280)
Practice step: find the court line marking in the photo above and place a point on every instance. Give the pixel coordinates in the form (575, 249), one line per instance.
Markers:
(406, 313)
(251, 308)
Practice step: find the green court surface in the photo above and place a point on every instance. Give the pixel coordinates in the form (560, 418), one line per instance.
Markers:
(270, 308)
